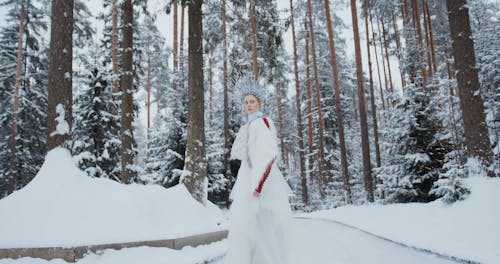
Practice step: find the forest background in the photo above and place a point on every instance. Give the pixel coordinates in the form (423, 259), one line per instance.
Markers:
(401, 134)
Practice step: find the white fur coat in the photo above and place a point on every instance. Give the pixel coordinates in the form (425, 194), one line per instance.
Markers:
(256, 146)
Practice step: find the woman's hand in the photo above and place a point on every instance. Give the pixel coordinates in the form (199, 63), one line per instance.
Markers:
(256, 194)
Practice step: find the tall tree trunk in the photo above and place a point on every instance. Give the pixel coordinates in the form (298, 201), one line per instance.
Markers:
(416, 24)
(431, 35)
(254, 40)
(196, 162)
(309, 111)
(148, 148)
(303, 178)
(376, 61)
(398, 47)
(19, 66)
(280, 124)
(365, 143)
(60, 100)
(372, 93)
(338, 105)
(386, 82)
(211, 92)
(321, 155)
(471, 103)
(127, 89)
(227, 145)
(387, 55)
(431, 70)
(114, 47)
(182, 73)
(175, 45)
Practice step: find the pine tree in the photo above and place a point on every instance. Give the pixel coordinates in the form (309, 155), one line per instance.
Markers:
(416, 146)
(32, 104)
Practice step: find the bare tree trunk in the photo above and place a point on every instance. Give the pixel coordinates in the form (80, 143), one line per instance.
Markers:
(387, 55)
(254, 40)
(114, 47)
(321, 155)
(338, 105)
(175, 46)
(386, 82)
(365, 143)
(227, 145)
(196, 162)
(448, 65)
(372, 93)
(376, 60)
(303, 178)
(309, 113)
(280, 124)
(127, 89)
(148, 149)
(211, 92)
(354, 106)
(60, 100)
(19, 65)
(416, 23)
(181, 73)
(398, 47)
(431, 35)
(428, 41)
(471, 103)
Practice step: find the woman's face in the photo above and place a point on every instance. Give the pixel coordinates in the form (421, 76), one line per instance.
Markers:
(252, 105)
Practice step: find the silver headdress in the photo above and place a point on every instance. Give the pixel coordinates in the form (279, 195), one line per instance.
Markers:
(244, 85)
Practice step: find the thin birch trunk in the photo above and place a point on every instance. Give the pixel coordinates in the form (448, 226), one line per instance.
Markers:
(338, 105)
(374, 39)
(227, 145)
(303, 178)
(372, 93)
(254, 40)
(175, 46)
(19, 65)
(309, 112)
(321, 155)
(387, 55)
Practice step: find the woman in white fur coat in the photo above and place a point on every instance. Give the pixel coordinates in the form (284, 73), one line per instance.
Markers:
(260, 195)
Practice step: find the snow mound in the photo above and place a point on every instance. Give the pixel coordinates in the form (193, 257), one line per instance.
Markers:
(62, 206)
(467, 229)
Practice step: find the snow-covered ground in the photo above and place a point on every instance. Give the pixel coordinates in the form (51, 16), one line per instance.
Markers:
(467, 229)
(64, 207)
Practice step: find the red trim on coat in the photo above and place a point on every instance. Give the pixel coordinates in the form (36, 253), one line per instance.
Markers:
(267, 122)
(264, 178)
(269, 166)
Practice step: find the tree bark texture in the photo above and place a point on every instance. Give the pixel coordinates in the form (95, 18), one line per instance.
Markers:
(19, 65)
(196, 163)
(227, 144)
(127, 84)
(114, 46)
(60, 70)
(365, 144)
(175, 45)
(322, 178)
(338, 105)
(372, 92)
(471, 103)
(303, 178)
(253, 23)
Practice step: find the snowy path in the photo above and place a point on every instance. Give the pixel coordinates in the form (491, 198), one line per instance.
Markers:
(316, 241)
(310, 241)
(321, 242)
